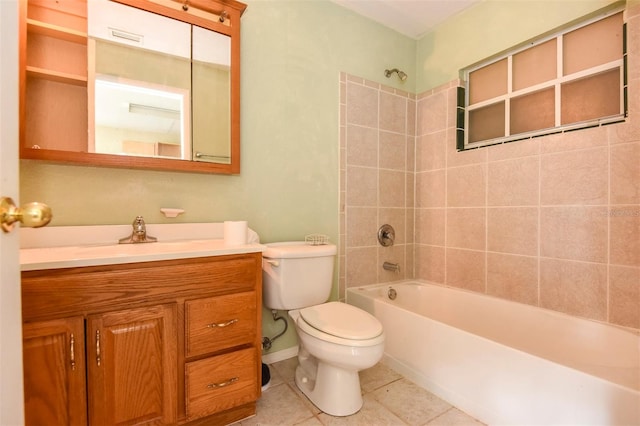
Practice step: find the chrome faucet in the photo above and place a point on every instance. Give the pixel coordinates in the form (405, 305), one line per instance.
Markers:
(393, 267)
(139, 233)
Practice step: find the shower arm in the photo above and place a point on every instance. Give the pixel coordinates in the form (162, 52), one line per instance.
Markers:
(401, 74)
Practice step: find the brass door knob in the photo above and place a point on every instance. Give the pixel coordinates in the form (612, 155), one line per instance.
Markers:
(31, 215)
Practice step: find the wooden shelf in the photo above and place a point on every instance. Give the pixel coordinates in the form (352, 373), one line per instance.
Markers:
(61, 77)
(56, 31)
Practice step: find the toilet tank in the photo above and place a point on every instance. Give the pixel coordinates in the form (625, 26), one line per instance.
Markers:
(296, 274)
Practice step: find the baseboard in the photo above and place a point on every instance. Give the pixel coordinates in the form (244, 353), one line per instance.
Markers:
(272, 357)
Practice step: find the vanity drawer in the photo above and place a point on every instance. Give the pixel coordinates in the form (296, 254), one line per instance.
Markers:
(220, 322)
(221, 382)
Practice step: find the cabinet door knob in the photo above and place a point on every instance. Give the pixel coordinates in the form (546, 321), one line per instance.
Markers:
(32, 215)
(222, 324)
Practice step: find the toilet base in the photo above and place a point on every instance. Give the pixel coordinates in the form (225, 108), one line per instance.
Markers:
(333, 390)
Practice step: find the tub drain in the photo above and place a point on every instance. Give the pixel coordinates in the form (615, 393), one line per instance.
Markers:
(392, 293)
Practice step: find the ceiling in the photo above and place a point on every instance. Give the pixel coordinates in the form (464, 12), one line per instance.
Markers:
(412, 18)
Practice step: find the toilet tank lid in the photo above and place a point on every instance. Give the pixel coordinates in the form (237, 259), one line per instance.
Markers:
(297, 249)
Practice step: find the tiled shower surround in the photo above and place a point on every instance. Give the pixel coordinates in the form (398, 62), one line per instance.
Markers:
(552, 221)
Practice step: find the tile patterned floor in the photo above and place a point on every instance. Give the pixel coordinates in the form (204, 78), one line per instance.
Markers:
(389, 399)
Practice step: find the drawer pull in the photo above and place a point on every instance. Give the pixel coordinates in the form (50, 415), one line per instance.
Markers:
(222, 384)
(222, 324)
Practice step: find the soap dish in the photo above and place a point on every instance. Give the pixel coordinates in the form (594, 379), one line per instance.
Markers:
(171, 212)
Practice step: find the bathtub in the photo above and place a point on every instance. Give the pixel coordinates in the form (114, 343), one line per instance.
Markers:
(507, 363)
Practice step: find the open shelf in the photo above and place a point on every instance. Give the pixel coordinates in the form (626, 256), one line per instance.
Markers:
(60, 77)
(56, 31)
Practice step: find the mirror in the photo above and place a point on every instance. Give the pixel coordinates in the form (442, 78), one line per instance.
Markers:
(132, 118)
(162, 88)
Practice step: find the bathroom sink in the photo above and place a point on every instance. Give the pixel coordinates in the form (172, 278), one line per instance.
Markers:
(104, 254)
(116, 250)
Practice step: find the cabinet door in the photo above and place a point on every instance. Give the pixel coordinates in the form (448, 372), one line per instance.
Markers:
(132, 366)
(54, 372)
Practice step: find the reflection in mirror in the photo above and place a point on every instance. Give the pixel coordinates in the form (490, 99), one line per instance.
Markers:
(135, 119)
(162, 88)
(211, 91)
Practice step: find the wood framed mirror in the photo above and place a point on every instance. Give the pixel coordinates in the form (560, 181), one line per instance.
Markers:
(175, 109)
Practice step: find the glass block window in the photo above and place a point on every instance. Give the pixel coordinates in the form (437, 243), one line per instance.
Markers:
(572, 79)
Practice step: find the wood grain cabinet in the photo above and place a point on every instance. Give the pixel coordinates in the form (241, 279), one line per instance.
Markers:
(55, 380)
(162, 343)
(131, 359)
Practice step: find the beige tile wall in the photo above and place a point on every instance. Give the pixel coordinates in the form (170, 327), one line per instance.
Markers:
(551, 222)
(377, 147)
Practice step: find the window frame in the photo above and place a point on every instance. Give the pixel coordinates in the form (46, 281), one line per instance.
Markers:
(463, 108)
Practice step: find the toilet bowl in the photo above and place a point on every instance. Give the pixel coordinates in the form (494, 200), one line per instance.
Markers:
(330, 358)
(335, 340)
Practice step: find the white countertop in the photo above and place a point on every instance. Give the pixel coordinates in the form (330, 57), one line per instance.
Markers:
(97, 245)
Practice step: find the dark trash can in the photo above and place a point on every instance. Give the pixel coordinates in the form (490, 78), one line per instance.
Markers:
(266, 377)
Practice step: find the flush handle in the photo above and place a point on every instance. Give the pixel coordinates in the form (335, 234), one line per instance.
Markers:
(31, 215)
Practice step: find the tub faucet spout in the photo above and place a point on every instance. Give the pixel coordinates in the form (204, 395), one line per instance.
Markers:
(393, 267)
(139, 233)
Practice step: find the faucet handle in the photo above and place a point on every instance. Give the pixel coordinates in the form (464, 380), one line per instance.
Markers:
(139, 225)
(386, 235)
(139, 233)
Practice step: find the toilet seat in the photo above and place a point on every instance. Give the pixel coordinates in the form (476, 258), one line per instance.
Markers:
(342, 324)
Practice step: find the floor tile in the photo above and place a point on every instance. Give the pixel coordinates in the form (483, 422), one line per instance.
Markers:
(389, 400)
(276, 378)
(286, 368)
(372, 413)
(410, 402)
(313, 421)
(279, 405)
(376, 377)
(454, 417)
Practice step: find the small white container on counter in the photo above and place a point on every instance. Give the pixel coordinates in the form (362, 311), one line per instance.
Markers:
(235, 232)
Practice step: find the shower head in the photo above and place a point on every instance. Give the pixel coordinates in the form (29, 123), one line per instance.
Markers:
(401, 74)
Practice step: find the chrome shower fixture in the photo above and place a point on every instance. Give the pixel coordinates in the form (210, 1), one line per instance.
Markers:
(401, 74)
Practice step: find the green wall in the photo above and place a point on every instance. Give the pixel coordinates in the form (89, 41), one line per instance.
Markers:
(487, 29)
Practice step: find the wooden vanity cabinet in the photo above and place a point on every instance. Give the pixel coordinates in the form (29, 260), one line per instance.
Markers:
(163, 343)
(131, 359)
(55, 379)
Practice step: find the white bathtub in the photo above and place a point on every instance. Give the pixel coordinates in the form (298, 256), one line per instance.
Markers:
(504, 362)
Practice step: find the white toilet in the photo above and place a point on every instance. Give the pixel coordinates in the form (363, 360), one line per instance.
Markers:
(336, 340)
